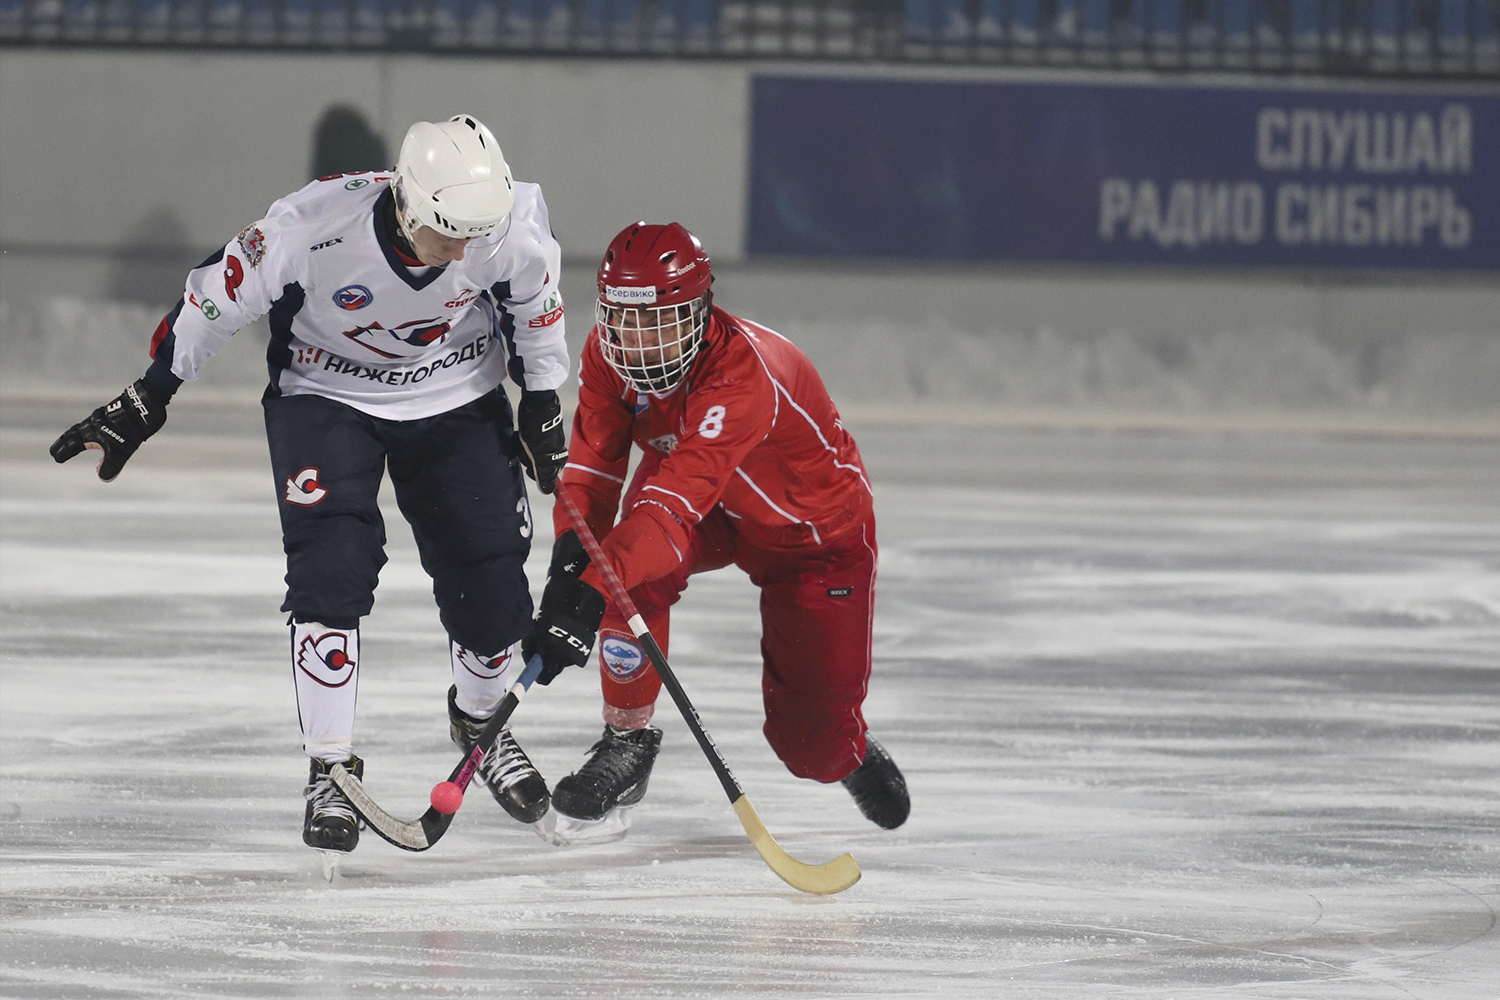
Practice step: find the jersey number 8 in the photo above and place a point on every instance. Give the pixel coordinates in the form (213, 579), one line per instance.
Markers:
(713, 422)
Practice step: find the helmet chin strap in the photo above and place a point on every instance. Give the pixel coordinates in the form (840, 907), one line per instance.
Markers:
(403, 224)
(408, 229)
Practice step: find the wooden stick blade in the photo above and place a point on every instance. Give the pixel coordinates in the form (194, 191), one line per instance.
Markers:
(417, 835)
(821, 880)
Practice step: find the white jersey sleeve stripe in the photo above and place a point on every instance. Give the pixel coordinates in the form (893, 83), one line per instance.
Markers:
(772, 504)
(594, 472)
(679, 497)
(781, 390)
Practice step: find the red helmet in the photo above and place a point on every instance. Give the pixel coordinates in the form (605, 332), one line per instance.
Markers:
(653, 304)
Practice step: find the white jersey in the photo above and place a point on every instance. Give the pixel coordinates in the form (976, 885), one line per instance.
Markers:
(351, 321)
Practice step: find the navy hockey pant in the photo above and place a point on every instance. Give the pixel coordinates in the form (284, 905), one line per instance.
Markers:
(457, 482)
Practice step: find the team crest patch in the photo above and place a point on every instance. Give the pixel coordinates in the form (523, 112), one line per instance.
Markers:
(483, 667)
(353, 297)
(303, 489)
(328, 658)
(252, 245)
(623, 657)
(663, 444)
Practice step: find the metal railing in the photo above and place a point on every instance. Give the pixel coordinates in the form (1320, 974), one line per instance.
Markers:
(1441, 38)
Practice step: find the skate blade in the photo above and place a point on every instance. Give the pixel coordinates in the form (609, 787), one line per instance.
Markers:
(331, 862)
(565, 831)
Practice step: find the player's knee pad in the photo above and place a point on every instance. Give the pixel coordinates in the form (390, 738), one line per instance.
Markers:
(332, 568)
(822, 743)
(485, 605)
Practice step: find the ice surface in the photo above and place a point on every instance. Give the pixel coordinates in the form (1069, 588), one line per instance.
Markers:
(1183, 715)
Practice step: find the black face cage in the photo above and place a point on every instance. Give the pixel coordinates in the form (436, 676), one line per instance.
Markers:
(651, 347)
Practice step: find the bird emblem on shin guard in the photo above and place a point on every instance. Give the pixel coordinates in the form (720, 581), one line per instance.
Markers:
(326, 657)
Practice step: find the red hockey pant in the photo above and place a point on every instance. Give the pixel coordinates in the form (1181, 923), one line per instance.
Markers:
(816, 609)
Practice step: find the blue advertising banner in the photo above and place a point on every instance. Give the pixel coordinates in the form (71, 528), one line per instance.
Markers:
(1125, 174)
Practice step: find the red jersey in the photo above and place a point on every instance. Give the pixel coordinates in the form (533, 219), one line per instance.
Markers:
(750, 429)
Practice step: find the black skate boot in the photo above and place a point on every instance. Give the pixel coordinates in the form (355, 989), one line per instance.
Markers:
(330, 823)
(878, 787)
(615, 774)
(511, 777)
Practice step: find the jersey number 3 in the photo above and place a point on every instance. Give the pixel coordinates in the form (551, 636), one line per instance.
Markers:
(713, 422)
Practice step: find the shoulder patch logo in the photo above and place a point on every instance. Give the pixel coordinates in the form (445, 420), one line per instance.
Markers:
(252, 245)
(209, 309)
(353, 297)
(357, 183)
(552, 312)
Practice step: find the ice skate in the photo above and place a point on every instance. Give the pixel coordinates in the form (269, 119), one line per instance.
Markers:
(330, 825)
(506, 770)
(594, 804)
(879, 788)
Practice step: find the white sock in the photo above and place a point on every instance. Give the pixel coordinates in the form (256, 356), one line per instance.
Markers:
(483, 680)
(629, 718)
(325, 665)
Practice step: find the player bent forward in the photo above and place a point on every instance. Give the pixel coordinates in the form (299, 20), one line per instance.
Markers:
(744, 461)
(394, 300)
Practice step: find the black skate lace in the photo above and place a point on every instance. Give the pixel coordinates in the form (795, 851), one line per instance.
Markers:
(506, 763)
(326, 798)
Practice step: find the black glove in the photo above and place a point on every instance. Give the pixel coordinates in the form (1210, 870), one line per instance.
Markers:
(568, 621)
(569, 557)
(544, 444)
(117, 428)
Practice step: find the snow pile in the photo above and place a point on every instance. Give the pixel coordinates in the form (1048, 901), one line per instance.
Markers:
(72, 341)
(874, 363)
(1267, 369)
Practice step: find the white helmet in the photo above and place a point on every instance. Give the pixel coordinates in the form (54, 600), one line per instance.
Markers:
(452, 177)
